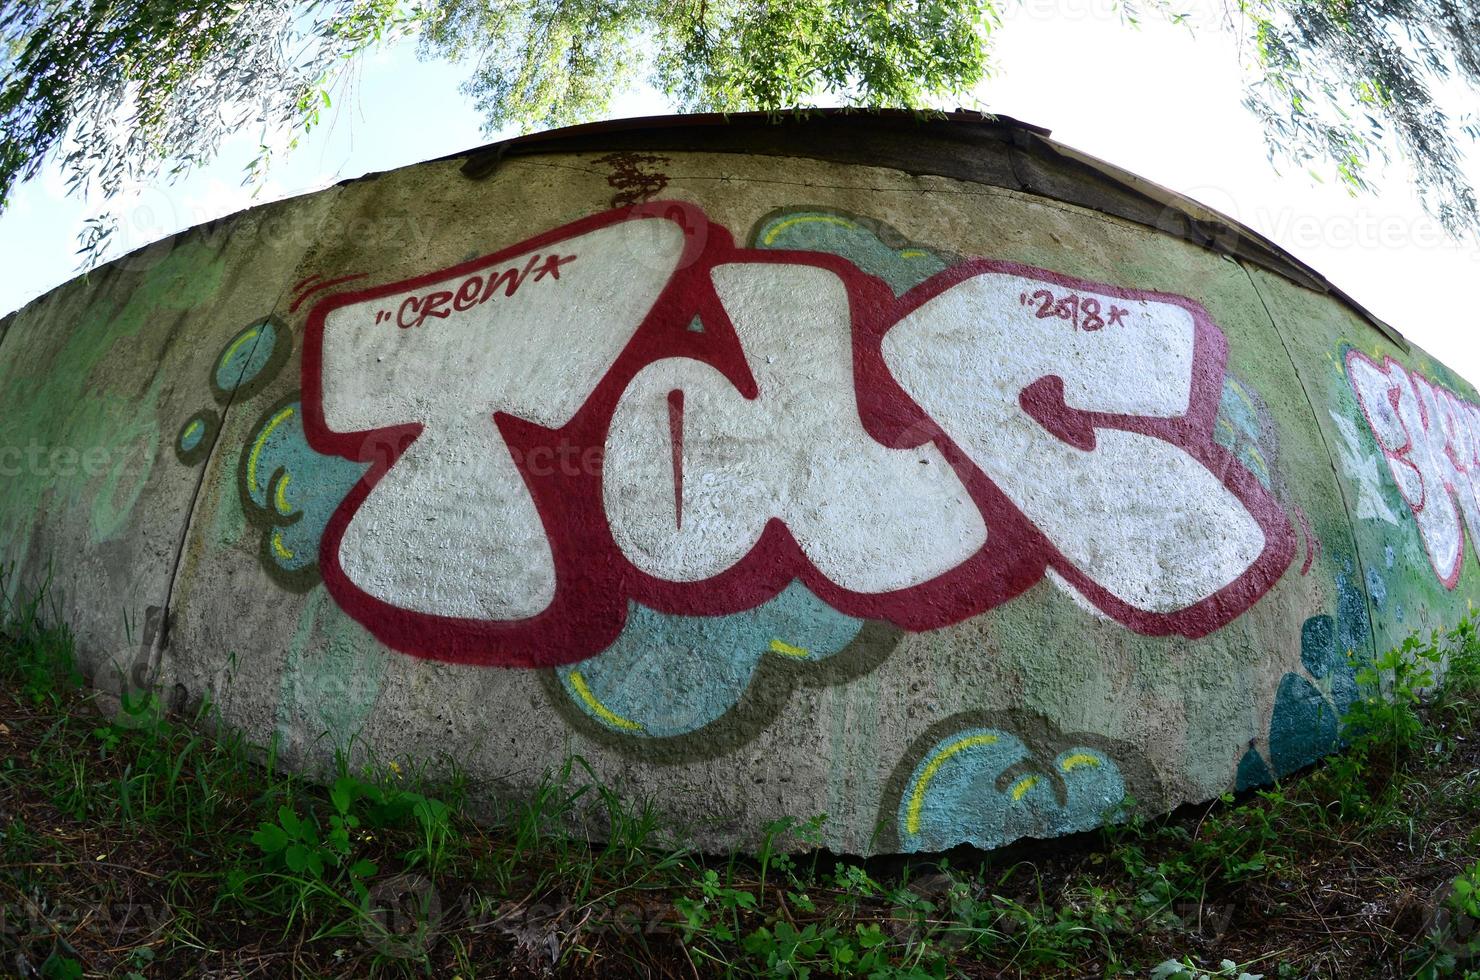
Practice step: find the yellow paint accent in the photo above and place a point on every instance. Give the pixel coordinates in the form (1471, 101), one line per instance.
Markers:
(283, 506)
(917, 798)
(602, 711)
(913, 253)
(279, 547)
(1223, 425)
(787, 649)
(1243, 395)
(1021, 787)
(1078, 759)
(226, 357)
(190, 430)
(277, 420)
(802, 218)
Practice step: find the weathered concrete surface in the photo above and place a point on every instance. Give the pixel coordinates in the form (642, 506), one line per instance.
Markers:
(96, 377)
(790, 486)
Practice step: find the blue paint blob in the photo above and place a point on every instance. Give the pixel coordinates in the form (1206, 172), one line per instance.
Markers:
(245, 356)
(956, 793)
(1237, 429)
(194, 440)
(1376, 588)
(191, 434)
(823, 231)
(298, 488)
(1252, 771)
(1351, 617)
(1304, 726)
(670, 675)
(1318, 645)
(1234, 405)
(1344, 691)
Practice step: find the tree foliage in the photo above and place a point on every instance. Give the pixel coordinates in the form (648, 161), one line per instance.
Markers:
(123, 92)
(571, 56)
(126, 91)
(1344, 81)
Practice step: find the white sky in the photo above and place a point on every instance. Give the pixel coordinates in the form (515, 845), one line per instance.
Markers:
(1159, 101)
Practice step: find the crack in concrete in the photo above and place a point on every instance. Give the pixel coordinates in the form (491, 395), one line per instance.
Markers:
(156, 652)
(1325, 444)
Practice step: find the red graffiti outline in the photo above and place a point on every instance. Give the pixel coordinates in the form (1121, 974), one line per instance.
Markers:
(320, 287)
(595, 581)
(1403, 454)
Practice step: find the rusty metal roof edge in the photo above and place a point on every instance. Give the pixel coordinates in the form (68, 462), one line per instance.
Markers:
(1216, 228)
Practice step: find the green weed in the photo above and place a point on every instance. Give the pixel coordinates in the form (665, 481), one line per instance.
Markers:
(574, 878)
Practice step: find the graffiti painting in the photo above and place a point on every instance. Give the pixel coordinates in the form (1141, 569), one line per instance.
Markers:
(633, 410)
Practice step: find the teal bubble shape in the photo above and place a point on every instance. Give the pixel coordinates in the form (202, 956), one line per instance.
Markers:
(669, 675)
(250, 360)
(289, 491)
(193, 441)
(961, 791)
(859, 240)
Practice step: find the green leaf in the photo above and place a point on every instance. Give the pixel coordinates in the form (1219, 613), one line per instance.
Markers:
(296, 858)
(342, 794)
(61, 968)
(270, 838)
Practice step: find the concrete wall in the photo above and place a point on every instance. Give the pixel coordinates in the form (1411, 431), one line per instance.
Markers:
(770, 484)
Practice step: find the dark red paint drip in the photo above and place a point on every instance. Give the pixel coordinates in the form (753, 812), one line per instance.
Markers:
(320, 287)
(675, 435)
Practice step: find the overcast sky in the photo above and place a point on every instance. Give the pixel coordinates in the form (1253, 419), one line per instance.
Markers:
(1159, 101)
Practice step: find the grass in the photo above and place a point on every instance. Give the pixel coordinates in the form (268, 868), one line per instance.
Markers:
(155, 846)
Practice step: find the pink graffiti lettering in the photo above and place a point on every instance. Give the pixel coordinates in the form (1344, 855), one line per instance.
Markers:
(1430, 438)
(749, 418)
